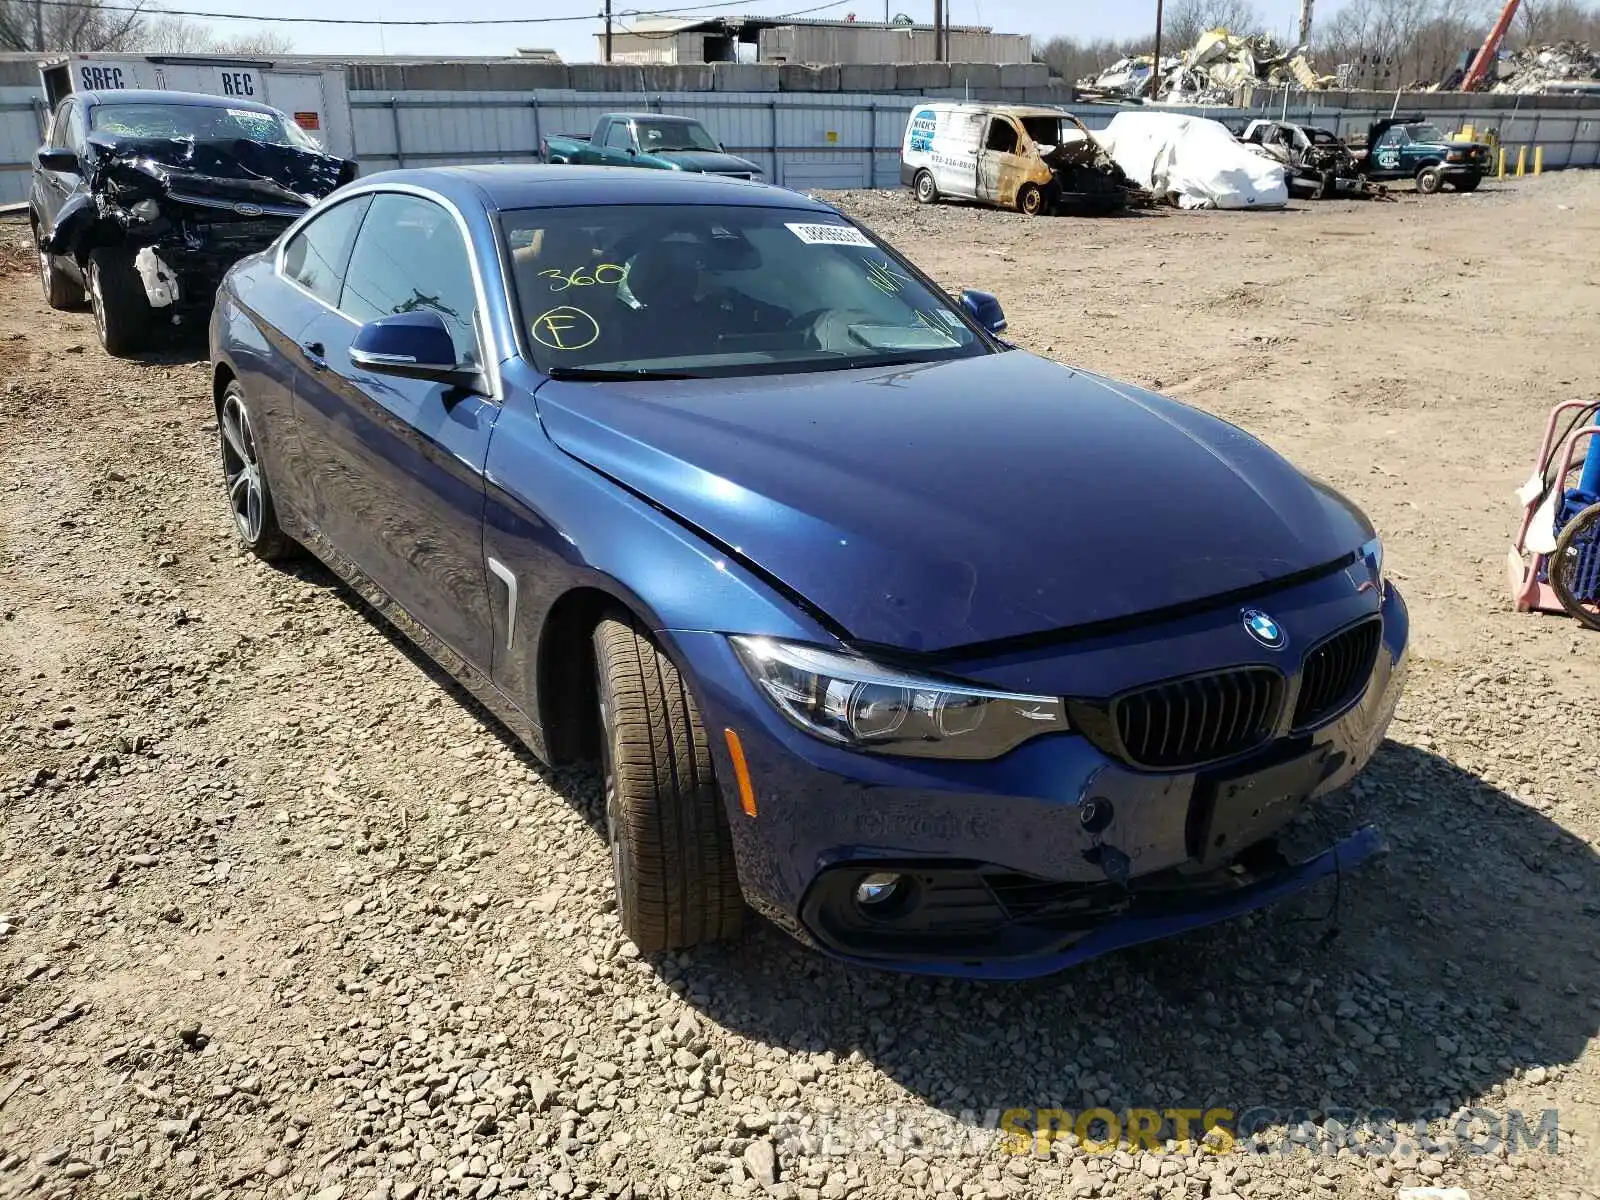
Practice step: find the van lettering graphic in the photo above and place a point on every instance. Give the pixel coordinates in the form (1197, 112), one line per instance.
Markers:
(923, 126)
(102, 79)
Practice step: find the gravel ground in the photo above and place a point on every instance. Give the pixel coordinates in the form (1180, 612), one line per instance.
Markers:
(282, 913)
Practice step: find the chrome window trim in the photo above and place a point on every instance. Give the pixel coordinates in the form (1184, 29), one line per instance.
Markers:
(490, 350)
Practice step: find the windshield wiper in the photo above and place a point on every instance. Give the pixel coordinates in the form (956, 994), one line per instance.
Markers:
(611, 375)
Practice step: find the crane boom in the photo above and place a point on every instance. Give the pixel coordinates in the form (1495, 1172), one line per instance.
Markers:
(1479, 70)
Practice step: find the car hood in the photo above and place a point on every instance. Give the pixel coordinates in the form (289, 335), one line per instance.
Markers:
(954, 503)
(705, 160)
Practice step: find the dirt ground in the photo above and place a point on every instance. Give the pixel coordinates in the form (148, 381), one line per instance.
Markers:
(283, 914)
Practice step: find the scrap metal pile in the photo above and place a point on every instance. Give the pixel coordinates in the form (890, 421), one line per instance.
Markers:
(1546, 68)
(1210, 72)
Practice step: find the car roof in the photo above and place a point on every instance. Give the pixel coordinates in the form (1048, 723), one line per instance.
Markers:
(151, 96)
(504, 186)
(624, 116)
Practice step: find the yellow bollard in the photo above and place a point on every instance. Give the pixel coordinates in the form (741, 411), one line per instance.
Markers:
(1502, 173)
(1522, 161)
(1538, 160)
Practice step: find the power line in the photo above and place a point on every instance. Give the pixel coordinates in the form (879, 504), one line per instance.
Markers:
(113, 6)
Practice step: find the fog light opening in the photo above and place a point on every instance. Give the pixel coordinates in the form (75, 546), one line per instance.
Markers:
(884, 895)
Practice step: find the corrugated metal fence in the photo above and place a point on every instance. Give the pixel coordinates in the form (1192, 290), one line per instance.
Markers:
(800, 140)
(810, 141)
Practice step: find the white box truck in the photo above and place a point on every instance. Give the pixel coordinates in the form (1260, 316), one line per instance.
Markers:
(313, 94)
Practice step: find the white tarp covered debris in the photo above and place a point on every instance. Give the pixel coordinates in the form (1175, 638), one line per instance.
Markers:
(1192, 161)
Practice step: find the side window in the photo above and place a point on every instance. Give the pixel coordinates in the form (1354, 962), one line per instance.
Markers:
(56, 135)
(1002, 136)
(618, 137)
(1393, 136)
(315, 257)
(77, 132)
(411, 255)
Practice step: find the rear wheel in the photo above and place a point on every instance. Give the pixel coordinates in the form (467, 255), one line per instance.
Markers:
(255, 519)
(60, 291)
(1030, 200)
(671, 851)
(923, 188)
(1574, 566)
(1429, 180)
(122, 314)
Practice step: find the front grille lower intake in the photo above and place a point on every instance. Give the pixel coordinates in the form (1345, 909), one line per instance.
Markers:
(1189, 722)
(1335, 672)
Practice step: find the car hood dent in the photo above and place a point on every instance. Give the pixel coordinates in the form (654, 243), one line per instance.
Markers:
(234, 169)
(956, 503)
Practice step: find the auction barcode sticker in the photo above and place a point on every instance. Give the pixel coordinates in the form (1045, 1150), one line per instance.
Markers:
(829, 235)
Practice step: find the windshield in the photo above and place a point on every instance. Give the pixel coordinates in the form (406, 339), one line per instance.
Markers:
(720, 290)
(673, 135)
(204, 121)
(1425, 132)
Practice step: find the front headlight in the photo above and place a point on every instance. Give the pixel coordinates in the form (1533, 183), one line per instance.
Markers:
(1372, 554)
(854, 702)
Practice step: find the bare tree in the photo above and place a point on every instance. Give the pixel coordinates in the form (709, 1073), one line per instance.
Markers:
(174, 35)
(83, 26)
(1543, 22)
(1186, 20)
(1385, 44)
(1073, 60)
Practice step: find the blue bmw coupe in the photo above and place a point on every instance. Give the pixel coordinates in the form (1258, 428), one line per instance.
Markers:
(940, 655)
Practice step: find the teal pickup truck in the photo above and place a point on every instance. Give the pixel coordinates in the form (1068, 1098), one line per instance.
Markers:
(1412, 148)
(647, 140)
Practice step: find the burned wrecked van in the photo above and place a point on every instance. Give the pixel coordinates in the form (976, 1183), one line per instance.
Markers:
(1032, 159)
(143, 200)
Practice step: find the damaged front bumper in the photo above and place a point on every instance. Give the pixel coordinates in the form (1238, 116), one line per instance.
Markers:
(1059, 850)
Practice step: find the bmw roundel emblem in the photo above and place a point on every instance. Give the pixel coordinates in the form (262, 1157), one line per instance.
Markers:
(1264, 629)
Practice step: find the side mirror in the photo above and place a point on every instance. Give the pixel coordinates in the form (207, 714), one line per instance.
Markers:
(57, 159)
(984, 308)
(413, 345)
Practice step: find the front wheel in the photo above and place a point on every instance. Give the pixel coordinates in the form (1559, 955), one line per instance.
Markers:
(122, 314)
(1030, 200)
(1574, 567)
(60, 291)
(255, 519)
(923, 188)
(1429, 180)
(667, 826)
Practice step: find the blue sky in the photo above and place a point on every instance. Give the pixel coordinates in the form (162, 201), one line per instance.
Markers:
(574, 40)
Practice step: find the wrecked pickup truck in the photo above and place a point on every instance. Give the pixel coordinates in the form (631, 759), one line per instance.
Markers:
(1315, 162)
(145, 199)
(1412, 148)
(1032, 159)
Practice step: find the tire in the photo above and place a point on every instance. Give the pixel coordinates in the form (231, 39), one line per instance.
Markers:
(923, 187)
(255, 520)
(667, 825)
(60, 291)
(1574, 567)
(1030, 200)
(1429, 180)
(1467, 183)
(122, 314)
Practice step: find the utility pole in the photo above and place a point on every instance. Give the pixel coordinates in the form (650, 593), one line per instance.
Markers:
(608, 30)
(38, 24)
(1305, 21)
(938, 30)
(1155, 63)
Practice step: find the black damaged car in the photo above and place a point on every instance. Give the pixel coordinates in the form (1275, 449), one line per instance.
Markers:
(143, 200)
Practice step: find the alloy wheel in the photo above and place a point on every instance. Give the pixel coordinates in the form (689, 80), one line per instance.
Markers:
(241, 469)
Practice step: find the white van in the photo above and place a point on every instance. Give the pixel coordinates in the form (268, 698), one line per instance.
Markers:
(1016, 156)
